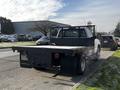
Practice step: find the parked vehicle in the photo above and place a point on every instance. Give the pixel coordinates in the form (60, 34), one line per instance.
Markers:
(43, 41)
(3, 38)
(29, 37)
(108, 41)
(8, 38)
(22, 37)
(118, 41)
(36, 37)
(72, 47)
(12, 38)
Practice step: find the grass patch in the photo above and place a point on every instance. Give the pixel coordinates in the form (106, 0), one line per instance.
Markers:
(12, 44)
(106, 78)
(117, 54)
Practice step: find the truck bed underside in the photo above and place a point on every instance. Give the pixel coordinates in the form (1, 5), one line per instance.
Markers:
(49, 56)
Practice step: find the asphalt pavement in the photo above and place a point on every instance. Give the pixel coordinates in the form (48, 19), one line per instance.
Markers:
(6, 49)
(12, 77)
(7, 52)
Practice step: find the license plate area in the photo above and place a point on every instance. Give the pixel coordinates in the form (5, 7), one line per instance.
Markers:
(105, 41)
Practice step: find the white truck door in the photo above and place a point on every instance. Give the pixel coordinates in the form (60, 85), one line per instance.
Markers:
(96, 44)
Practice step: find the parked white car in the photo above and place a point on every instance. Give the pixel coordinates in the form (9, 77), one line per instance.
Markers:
(43, 40)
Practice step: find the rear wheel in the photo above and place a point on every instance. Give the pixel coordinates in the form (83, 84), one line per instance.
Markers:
(81, 65)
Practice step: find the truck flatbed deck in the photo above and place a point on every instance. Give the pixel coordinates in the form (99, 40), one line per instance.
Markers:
(54, 47)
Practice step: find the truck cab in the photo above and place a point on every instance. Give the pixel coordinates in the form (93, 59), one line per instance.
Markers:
(76, 36)
(73, 36)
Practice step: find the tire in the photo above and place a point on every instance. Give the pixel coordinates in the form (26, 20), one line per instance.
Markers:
(81, 65)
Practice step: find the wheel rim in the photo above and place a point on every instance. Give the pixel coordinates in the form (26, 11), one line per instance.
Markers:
(83, 65)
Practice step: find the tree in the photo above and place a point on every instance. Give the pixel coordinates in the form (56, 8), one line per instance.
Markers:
(6, 26)
(117, 30)
(43, 27)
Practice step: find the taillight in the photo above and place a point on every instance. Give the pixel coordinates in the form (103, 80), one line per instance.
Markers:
(56, 55)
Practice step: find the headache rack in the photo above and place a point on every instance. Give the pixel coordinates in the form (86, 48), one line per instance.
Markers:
(91, 27)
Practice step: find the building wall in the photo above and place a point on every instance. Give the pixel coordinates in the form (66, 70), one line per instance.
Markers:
(26, 26)
(23, 27)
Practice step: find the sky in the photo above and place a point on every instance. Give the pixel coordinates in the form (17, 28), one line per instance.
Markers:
(105, 14)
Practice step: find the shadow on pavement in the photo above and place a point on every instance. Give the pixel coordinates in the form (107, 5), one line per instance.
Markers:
(92, 66)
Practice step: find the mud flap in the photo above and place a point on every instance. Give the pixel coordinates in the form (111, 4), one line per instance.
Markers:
(24, 60)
